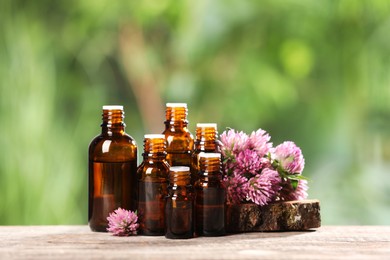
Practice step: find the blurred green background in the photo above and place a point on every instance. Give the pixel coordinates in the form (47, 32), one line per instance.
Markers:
(315, 72)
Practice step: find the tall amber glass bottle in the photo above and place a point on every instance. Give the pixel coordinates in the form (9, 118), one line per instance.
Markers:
(179, 210)
(180, 141)
(152, 178)
(210, 196)
(112, 169)
(206, 141)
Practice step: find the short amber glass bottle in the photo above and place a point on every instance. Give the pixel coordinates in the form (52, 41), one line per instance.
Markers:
(210, 196)
(152, 178)
(179, 209)
(112, 169)
(206, 141)
(180, 141)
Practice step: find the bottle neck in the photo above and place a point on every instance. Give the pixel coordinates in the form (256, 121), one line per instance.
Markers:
(206, 134)
(179, 178)
(206, 137)
(202, 146)
(210, 166)
(176, 124)
(113, 121)
(176, 117)
(155, 147)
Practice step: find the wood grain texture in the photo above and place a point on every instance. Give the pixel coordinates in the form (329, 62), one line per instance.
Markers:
(78, 242)
(279, 216)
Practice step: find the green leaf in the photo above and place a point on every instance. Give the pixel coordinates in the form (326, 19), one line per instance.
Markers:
(296, 177)
(294, 184)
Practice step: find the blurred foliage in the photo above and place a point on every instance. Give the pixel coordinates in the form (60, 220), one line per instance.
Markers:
(315, 72)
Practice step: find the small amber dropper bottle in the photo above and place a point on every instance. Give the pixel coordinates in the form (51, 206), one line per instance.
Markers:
(112, 169)
(179, 209)
(210, 196)
(180, 141)
(152, 178)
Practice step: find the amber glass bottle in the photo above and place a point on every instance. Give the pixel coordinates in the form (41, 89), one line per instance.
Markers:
(112, 169)
(210, 196)
(179, 209)
(152, 178)
(180, 141)
(206, 141)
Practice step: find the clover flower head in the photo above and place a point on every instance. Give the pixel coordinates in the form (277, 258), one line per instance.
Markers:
(289, 193)
(259, 141)
(233, 142)
(263, 187)
(236, 188)
(289, 157)
(122, 222)
(248, 161)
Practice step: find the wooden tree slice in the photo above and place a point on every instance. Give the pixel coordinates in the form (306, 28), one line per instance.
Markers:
(295, 215)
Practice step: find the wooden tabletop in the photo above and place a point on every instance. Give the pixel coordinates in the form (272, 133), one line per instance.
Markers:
(78, 242)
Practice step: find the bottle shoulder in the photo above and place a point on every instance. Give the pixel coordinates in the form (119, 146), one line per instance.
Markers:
(112, 148)
(213, 146)
(114, 138)
(153, 168)
(214, 181)
(181, 192)
(179, 141)
(172, 130)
